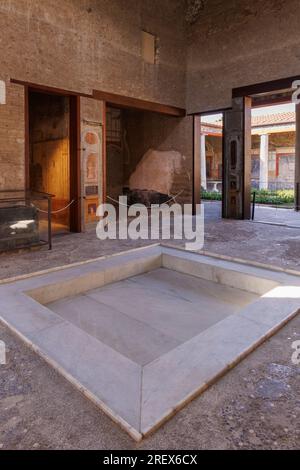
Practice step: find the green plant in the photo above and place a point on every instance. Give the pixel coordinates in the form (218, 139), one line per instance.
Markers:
(262, 196)
(276, 197)
(211, 196)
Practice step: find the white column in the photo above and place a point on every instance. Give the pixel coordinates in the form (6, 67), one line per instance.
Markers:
(203, 162)
(264, 160)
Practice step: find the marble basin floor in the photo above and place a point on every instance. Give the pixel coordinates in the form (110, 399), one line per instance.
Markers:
(143, 332)
(148, 315)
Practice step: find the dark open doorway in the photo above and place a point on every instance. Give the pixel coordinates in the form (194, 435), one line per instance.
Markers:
(143, 153)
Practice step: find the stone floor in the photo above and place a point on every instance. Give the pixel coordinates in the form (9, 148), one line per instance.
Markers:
(263, 214)
(255, 405)
(277, 215)
(270, 244)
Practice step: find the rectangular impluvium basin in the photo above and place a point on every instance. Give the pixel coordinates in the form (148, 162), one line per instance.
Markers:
(143, 332)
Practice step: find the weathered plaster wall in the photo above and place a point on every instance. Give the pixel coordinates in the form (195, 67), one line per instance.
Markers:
(154, 153)
(237, 43)
(160, 154)
(83, 45)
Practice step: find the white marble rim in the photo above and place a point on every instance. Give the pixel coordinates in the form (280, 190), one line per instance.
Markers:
(159, 401)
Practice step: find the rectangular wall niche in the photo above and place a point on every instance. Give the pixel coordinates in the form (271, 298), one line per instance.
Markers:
(2, 92)
(149, 47)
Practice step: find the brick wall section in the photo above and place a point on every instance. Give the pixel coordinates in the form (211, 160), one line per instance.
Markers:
(95, 44)
(83, 45)
(12, 140)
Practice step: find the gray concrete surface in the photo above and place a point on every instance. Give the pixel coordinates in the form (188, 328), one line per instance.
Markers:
(277, 215)
(255, 405)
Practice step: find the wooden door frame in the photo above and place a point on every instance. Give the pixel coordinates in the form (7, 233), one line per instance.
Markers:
(75, 164)
(196, 193)
(104, 153)
(113, 100)
(74, 137)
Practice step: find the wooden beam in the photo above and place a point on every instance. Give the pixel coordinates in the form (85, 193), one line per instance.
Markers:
(209, 112)
(271, 100)
(134, 103)
(264, 87)
(38, 88)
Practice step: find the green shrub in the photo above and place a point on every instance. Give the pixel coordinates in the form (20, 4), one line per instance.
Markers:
(262, 196)
(277, 197)
(211, 195)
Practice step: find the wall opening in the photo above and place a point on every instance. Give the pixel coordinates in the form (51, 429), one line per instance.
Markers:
(145, 158)
(209, 162)
(273, 158)
(51, 148)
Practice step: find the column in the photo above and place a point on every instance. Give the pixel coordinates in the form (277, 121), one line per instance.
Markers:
(237, 160)
(297, 160)
(203, 162)
(264, 160)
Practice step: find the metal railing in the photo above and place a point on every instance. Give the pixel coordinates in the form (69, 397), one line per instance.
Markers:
(14, 199)
(276, 202)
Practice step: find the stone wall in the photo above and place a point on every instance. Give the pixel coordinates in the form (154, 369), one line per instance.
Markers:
(95, 44)
(83, 45)
(238, 43)
(12, 139)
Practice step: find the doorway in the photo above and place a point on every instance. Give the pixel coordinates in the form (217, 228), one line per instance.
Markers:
(53, 156)
(209, 162)
(273, 155)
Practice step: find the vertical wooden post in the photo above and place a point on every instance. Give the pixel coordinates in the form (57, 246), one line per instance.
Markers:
(237, 160)
(27, 138)
(246, 157)
(104, 188)
(49, 200)
(196, 163)
(75, 164)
